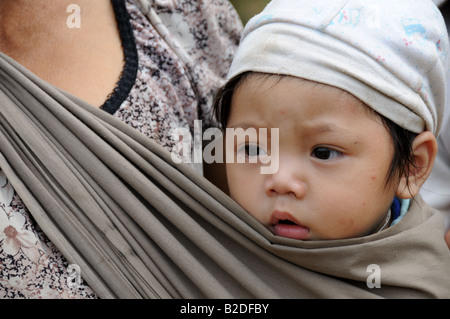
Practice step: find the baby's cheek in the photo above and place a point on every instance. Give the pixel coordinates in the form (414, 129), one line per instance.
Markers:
(239, 192)
(349, 226)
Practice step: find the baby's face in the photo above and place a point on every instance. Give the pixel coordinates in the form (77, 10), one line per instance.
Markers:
(333, 154)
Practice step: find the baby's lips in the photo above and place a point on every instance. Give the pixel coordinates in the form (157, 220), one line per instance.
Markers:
(291, 231)
(285, 225)
(278, 216)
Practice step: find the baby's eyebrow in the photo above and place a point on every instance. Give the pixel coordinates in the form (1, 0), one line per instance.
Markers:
(313, 128)
(246, 125)
(325, 128)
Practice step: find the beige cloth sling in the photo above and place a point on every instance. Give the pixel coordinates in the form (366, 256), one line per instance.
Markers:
(140, 226)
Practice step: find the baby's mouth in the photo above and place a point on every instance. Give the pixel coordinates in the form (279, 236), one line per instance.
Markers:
(285, 225)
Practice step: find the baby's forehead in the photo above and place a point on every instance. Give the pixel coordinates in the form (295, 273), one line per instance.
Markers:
(263, 97)
(262, 82)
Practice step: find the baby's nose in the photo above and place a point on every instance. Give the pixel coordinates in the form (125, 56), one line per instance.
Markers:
(286, 181)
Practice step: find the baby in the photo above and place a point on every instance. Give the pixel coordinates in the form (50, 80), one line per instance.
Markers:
(357, 92)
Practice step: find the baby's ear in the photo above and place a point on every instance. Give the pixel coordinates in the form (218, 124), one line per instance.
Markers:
(424, 149)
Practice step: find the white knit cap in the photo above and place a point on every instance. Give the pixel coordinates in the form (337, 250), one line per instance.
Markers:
(392, 55)
(439, 2)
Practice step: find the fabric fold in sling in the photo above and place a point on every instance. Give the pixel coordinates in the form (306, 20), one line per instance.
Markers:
(140, 226)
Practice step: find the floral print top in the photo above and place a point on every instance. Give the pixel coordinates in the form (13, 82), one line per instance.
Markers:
(174, 62)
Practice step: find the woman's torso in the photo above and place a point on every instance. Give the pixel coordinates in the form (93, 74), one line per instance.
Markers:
(157, 92)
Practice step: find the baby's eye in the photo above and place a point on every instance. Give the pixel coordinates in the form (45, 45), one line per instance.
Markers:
(252, 150)
(325, 153)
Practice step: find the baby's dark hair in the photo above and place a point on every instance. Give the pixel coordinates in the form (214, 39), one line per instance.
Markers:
(403, 161)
